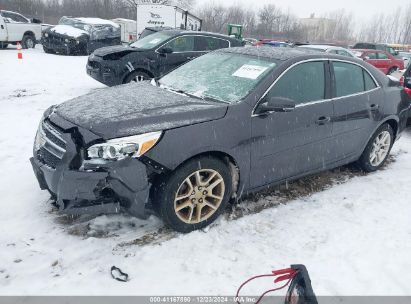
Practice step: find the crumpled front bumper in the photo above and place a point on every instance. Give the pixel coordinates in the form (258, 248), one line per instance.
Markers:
(106, 188)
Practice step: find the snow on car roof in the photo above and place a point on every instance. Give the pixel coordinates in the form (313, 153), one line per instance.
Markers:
(267, 52)
(96, 21)
(68, 30)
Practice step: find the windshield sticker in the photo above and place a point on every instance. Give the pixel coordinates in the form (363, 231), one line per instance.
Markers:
(250, 71)
(154, 41)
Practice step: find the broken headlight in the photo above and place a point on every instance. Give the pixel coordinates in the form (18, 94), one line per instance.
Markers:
(119, 148)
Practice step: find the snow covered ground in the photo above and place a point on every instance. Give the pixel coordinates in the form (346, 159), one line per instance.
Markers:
(351, 230)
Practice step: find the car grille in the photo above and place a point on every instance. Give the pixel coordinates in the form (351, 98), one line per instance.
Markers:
(94, 64)
(48, 158)
(51, 152)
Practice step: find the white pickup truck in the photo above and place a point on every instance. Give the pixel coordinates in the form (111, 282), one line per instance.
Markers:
(15, 28)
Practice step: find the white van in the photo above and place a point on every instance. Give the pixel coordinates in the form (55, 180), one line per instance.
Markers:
(150, 15)
(128, 29)
(14, 28)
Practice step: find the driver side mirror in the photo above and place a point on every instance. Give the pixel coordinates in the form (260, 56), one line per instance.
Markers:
(366, 58)
(277, 104)
(6, 20)
(165, 50)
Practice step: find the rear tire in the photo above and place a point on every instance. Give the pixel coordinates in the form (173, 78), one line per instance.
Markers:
(378, 149)
(28, 42)
(137, 76)
(194, 195)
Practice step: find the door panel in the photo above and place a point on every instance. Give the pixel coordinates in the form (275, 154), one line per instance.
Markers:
(286, 144)
(290, 143)
(16, 27)
(356, 109)
(3, 30)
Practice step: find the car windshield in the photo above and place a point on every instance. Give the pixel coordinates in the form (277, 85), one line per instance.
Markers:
(220, 77)
(151, 41)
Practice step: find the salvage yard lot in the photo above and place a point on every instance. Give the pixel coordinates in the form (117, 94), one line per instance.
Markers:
(351, 230)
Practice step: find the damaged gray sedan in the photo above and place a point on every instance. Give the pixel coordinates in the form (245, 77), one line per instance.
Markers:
(225, 124)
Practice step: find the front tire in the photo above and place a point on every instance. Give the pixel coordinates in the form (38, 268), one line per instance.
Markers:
(378, 149)
(28, 42)
(137, 76)
(3, 45)
(193, 196)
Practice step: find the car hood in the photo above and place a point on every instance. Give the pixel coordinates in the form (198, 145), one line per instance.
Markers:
(109, 50)
(136, 109)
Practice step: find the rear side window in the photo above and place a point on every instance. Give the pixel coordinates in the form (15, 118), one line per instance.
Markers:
(382, 56)
(182, 44)
(351, 79)
(14, 18)
(303, 83)
(205, 44)
(368, 81)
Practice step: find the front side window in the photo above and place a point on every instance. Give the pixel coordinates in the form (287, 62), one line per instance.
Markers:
(351, 79)
(303, 83)
(218, 76)
(181, 44)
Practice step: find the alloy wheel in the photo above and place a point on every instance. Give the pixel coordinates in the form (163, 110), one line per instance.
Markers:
(199, 196)
(29, 43)
(139, 78)
(380, 149)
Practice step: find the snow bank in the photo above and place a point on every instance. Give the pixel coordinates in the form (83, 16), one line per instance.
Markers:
(68, 30)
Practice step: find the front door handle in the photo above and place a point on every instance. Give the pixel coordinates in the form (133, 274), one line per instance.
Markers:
(323, 120)
(374, 107)
(190, 58)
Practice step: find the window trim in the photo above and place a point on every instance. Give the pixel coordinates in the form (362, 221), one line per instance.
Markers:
(325, 60)
(360, 93)
(192, 35)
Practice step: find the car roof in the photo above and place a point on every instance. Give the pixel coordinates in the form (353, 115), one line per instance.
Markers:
(186, 32)
(319, 46)
(279, 54)
(369, 50)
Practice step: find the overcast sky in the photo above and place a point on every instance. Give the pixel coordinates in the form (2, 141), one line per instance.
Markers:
(362, 9)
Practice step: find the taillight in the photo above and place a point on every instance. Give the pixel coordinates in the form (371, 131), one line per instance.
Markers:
(402, 81)
(408, 91)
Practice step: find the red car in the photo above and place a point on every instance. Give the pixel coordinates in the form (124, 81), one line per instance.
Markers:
(382, 60)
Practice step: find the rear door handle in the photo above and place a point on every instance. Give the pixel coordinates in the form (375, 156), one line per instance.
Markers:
(374, 107)
(190, 58)
(323, 120)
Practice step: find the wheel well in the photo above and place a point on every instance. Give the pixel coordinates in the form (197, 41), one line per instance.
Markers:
(29, 34)
(394, 125)
(228, 159)
(138, 70)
